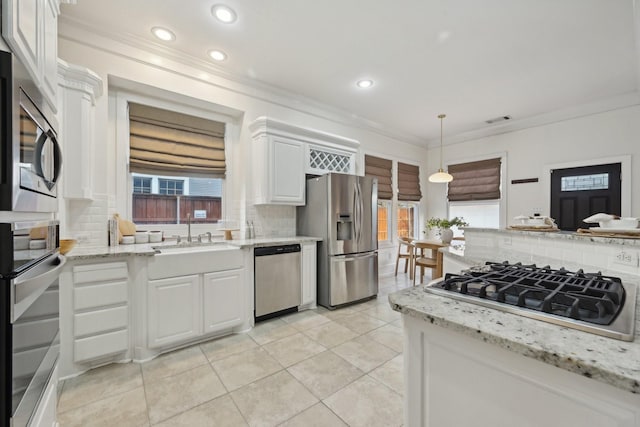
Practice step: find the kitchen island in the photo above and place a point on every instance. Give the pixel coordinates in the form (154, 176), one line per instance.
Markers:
(470, 365)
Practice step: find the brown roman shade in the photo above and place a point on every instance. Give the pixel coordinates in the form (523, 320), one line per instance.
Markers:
(169, 143)
(409, 183)
(381, 169)
(475, 181)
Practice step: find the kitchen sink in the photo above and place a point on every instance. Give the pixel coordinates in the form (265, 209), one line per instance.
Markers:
(189, 248)
(184, 260)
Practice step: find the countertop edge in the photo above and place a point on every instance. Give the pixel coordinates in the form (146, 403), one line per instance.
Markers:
(147, 249)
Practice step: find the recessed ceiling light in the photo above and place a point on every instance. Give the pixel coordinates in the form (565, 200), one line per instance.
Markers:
(224, 13)
(163, 34)
(218, 55)
(364, 84)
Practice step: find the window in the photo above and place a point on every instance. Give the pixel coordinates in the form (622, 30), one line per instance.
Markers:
(482, 214)
(475, 192)
(381, 169)
(384, 220)
(141, 185)
(408, 219)
(178, 166)
(475, 181)
(170, 186)
(598, 181)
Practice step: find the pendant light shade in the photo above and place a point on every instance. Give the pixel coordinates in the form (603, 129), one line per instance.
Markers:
(441, 176)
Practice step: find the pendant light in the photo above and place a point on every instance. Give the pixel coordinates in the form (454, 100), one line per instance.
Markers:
(441, 176)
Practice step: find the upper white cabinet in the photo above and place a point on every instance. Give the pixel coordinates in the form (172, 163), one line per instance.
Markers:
(283, 154)
(79, 89)
(30, 27)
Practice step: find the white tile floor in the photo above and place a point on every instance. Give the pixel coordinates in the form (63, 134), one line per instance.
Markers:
(313, 368)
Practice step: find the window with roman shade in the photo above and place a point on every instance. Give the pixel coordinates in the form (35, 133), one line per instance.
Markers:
(377, 167)
(409, 183)
(169, 143)
(475, 180)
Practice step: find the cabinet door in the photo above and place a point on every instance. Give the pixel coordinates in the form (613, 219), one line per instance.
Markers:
(173, 313)
(309, 273)
(20, 22)
(287, 178)
(223, 300)
(50, 52)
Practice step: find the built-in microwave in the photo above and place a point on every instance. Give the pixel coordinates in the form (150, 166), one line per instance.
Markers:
(31, 159)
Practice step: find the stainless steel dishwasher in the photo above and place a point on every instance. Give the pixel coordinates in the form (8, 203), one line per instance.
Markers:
(277, 272)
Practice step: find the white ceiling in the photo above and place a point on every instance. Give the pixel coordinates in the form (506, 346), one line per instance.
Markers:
(471, 59)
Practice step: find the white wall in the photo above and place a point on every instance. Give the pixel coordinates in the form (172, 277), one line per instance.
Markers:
(530, 152)
(110, 58)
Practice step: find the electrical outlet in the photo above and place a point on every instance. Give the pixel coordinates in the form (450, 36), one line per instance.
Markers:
(82, 238)
(626, 258)
(506, 241)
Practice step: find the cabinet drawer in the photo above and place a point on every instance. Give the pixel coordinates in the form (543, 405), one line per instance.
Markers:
(94, 322)
(100, 345)
(99, 272)
(85, 297)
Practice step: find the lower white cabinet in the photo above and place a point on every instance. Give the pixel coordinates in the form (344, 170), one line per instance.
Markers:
(222, 300)
(100, 310)
(173, 313)
(443, 368)
(309, 285)
(180, 309)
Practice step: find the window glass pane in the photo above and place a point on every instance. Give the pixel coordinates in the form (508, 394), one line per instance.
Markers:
(384, 220)
(477, 214)
(170, 186)
(407, 219)
(598, 181)
(141, 185)
(168, 200)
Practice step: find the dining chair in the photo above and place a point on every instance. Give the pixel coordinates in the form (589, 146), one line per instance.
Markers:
(426, 255)
(405, 251)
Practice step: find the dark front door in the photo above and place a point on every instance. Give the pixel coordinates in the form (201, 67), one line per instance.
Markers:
(577, 193)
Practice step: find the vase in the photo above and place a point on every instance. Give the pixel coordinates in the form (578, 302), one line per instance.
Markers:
(446, 235)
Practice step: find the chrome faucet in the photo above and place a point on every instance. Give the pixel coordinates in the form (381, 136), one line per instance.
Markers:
(189, 227)
(208, 234)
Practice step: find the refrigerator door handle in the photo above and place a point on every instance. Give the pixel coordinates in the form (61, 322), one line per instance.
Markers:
(355, 211)
(353, 257)
(361, 214)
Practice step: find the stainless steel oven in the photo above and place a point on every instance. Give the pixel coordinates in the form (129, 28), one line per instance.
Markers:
(29, 315)
(31, 159)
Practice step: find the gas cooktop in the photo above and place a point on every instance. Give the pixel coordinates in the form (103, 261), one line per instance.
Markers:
(590, 302)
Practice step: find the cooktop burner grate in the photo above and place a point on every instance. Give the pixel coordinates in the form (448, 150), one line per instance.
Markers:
(579, 297)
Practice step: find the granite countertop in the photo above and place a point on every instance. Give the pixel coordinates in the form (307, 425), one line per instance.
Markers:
(604, 359)
(150, 249)
(562, 235)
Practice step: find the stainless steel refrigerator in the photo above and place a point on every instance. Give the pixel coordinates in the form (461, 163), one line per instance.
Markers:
(342, 209)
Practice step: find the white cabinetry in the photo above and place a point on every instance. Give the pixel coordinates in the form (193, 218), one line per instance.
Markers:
(444, 367)
(309, 274)
(223, 305)
(100, 310)
(31, 30)
(184, 307)
(173, 311)
(79, 89)
(284, 153)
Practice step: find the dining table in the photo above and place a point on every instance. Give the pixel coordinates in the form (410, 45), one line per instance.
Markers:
(434, 246)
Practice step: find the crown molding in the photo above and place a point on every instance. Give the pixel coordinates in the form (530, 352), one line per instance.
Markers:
(80, 78)
(271, 127)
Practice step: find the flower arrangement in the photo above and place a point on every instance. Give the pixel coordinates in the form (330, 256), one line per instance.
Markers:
(443, 223)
